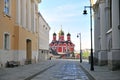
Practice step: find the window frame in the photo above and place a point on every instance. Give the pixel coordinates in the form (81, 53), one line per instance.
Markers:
(6, 41)
(7, 6)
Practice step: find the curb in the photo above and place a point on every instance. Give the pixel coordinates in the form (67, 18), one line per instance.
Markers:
(34, 75)
(91, 77)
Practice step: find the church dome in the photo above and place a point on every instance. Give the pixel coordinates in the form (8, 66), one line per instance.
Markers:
(68, 34)
(54, 34)
(61, 32)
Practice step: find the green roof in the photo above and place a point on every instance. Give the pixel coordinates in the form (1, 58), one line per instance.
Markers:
(54, 34)
(68, 34)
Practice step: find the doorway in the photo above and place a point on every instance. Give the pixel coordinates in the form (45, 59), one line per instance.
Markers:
(28, 51)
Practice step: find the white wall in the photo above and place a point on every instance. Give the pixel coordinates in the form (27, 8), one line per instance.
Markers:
(43, 33)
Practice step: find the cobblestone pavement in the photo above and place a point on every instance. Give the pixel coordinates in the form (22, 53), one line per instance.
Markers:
(65, 70)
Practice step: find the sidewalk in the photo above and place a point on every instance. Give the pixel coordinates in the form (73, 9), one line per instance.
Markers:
(25, 72)
(100, 72)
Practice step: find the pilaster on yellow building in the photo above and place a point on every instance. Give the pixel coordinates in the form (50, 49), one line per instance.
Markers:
(18, 31)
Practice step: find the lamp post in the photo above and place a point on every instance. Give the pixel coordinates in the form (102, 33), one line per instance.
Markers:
(79, 35)
(91, 56)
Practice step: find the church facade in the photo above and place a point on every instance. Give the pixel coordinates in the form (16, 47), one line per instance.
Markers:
(62, 46)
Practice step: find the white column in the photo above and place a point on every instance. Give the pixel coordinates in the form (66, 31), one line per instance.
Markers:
(96, 32)
(103, 26)
(18, 12)
(107, 14)
(23, 13)
(103, 53)
(115, 23)
(114, 57)
(32, 17)
(29, 15)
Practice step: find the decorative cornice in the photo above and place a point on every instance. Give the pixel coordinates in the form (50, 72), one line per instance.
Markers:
(95, 7)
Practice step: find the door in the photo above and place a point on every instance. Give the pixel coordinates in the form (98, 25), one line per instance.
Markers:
(28, 51)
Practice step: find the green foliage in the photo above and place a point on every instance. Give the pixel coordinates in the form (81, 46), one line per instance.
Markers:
(85, 55)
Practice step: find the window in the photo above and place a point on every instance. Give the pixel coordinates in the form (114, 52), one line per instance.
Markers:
(42, 51)
(6, 41)
(110, 6)
(110, 45)
(7, 7)
(43, 26)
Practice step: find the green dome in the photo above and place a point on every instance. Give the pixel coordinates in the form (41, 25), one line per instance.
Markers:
(68, 34)
(54, 34)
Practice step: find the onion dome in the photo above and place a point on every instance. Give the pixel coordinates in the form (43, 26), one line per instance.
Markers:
(61, 32)
(54, 34)
(68, 34)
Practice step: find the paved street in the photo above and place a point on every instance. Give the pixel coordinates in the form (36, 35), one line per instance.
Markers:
(46, 70)
(64, 70)
(26, 71)
(58, 70)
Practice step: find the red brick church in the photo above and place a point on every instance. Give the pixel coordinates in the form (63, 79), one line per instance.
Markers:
(62, 46)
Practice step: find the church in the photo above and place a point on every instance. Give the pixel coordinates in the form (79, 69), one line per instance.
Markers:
(61, 46)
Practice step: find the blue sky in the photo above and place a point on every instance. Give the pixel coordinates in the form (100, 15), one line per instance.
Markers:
(69, 14)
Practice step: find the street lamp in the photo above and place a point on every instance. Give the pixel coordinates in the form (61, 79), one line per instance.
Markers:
(79, 35)
(85, 12)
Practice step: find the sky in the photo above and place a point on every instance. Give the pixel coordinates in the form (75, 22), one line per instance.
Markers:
(69, 15)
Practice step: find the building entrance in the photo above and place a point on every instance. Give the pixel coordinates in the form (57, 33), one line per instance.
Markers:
(28, 51)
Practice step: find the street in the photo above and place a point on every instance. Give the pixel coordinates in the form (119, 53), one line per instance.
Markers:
(55, 69)
(64, 70)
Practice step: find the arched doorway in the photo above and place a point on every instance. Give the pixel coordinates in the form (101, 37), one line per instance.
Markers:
(28, 51)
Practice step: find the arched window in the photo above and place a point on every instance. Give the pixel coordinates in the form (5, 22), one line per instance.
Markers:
(6, 41)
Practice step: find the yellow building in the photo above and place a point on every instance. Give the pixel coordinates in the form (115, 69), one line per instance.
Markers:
(18, 31)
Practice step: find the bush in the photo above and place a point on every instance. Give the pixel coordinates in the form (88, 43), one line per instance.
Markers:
(85, 55)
